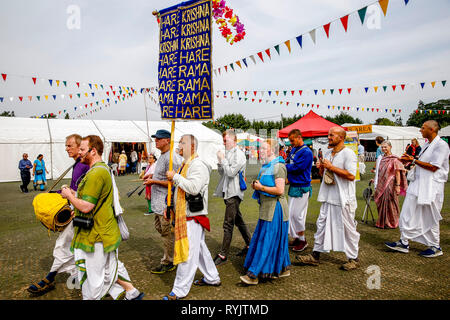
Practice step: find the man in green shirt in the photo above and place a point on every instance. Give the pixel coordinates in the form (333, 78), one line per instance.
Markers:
(95, 244)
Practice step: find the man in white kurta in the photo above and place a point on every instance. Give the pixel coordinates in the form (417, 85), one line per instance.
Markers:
(421, 211)
(193, 181)
(336, 225)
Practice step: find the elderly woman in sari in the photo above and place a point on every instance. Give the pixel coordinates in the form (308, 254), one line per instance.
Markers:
(391, 182)
(268, 253)
(39, 171)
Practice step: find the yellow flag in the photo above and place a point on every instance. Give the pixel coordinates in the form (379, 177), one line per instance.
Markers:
(95, 86)
(376, 89)
(239, 64)
(323, 91)
(57, 83)
(46, 97)
(231, 93)
(86, 94)
(288, 45)
(384, 5)
(277, 92)
(433, 84)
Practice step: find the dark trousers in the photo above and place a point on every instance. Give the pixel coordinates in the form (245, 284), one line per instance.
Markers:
(233, 217)
(26, 177)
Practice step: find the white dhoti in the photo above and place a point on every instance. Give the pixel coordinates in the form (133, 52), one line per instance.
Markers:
(420, 223)
(298, 209)
(98, 272)
(199, 257)
(336, 230)
(64, 260)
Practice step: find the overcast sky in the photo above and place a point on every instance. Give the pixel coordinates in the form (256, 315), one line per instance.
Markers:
(117, 44)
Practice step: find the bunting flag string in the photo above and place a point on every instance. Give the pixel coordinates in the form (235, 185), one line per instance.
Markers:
(383, 4)
(391, 110)
(431, 111)
(397, 88)
(66, 83)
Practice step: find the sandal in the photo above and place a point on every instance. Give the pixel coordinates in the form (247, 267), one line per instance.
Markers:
(48, 286)
(202, 283)
(171, 296)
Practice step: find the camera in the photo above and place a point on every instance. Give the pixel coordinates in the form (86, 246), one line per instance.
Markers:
(84, 223)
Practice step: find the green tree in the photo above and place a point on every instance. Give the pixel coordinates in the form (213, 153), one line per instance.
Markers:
(7, 114)
(384, 122)
(67, 116)
(423, 114)
(342, 118)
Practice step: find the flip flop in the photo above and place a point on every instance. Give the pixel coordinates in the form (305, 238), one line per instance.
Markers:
(48, 286)
(202, 283)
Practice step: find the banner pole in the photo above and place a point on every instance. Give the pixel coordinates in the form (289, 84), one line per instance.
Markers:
(169, 190)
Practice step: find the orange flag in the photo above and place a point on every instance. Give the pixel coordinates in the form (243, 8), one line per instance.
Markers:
(384, 5)
(288, 45)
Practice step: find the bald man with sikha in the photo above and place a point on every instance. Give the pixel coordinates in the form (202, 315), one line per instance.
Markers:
(336, 225)
(421, 211)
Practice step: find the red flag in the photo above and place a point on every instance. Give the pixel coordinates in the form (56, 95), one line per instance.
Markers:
(4, 76)
(107, 93)
(292, 92)
(253, 100)
(260, 100)
(349, 89)
(114, 93)
(344, 21)
(70, 95)
(226, 68)
(340, 91)
(403, 87)
(393, 87)
(260, 56)
(245, 93)
(300, 91)
(255, 92)
(20, 98)
(78, 84)
(327, 29)
(34, 80)
(268, 53)
(287, 103)
(29, 97)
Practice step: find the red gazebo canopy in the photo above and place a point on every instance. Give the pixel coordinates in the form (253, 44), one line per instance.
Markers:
(311, 125)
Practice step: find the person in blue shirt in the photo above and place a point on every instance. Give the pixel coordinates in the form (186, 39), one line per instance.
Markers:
(298, 165)
(25, 166)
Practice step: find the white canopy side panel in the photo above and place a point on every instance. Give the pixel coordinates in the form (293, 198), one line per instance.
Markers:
(12, 154)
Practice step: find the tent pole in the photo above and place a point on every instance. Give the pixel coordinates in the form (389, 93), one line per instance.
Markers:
(146, 121)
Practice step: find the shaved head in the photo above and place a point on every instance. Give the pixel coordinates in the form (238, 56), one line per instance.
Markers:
(433, 124)
(339, 131)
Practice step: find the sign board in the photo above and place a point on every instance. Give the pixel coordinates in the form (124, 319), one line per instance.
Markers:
(361, 129)
(184, 70)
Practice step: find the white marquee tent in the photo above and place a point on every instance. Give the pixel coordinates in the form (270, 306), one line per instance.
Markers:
(398, 136)
(47, 137)
(445, 132)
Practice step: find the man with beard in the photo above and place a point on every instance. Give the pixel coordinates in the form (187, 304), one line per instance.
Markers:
(336, 225)
(96, 231)
(63, 257)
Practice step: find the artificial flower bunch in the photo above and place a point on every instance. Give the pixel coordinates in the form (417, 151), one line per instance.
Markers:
(223, 16)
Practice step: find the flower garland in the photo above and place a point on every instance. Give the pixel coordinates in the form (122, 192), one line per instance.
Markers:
(223, 16)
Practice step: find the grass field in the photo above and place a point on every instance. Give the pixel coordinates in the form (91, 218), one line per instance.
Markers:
(26, 254)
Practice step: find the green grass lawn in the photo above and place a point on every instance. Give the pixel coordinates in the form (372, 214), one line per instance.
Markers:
(26, 254)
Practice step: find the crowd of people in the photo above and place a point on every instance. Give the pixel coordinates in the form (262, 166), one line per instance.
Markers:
(177, 194)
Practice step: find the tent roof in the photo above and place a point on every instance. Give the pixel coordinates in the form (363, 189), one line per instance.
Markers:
(311, 125)
(61, 129)
(444, 132)
(392, 133)
(12, 130)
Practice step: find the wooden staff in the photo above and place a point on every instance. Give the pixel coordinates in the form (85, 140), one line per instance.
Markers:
(169, 191)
